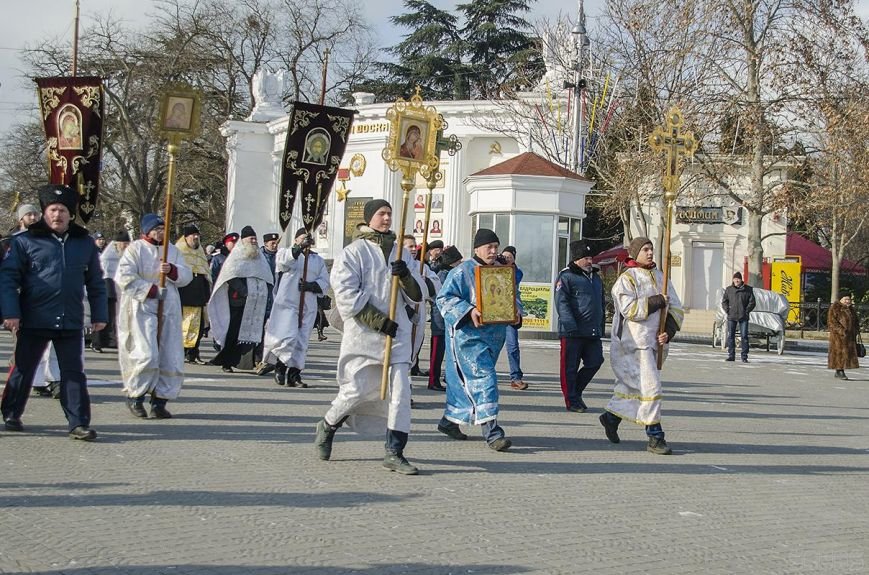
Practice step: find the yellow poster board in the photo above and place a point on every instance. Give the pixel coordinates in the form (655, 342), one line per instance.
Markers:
(537, 303)
(786, 279)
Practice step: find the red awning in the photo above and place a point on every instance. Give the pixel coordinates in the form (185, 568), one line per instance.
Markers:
(615, 254)
(816, 258)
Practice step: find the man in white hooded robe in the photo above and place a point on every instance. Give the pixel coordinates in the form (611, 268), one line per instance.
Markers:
(150, 366)
(286, 341)
(361, 279)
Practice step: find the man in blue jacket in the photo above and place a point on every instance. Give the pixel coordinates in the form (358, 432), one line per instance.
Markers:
(579, 299)
(42, 283)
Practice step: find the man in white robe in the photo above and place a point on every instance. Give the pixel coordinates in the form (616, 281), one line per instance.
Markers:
(638, 303)
(417, 313)
(361, 279)
(237, 308)
(150, 366)
(286, 341)
(109, 258)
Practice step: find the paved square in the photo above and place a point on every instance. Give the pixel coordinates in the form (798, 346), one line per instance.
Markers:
(770, 475)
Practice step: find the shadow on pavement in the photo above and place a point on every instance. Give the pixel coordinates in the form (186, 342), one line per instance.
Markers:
(379, 569)
(332, 499)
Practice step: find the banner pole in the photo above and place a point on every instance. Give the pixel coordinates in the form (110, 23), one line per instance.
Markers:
(407, 184)
(167, 219)
(75, 40)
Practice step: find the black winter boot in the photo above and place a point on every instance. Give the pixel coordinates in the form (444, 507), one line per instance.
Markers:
(281, 374)
(136, 405)
(294, 377)
(158, 408)
(394, 459)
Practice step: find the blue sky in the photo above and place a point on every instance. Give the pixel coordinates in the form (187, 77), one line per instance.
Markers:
(26, 21)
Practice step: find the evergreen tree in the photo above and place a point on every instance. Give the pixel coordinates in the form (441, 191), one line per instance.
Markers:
(430, 56)
(502, 54)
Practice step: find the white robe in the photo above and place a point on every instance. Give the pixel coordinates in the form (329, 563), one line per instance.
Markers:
(146, 366)
(421, 316)
(284, 339)
(361, 275)
(109, 260)
(258, 277)
(634, 345)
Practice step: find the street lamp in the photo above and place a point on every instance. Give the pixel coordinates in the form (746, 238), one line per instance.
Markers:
(581, 47)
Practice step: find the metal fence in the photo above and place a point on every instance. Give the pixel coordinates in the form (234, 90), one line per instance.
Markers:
(804, 316)
(812, 316)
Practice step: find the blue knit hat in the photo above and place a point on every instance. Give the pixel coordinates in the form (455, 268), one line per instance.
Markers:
(151, 221)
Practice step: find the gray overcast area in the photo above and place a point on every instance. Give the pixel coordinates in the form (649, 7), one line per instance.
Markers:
(26, 21)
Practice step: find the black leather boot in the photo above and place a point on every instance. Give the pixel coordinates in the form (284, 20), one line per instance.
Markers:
(136, 405)
(281, 374)
(158, 408)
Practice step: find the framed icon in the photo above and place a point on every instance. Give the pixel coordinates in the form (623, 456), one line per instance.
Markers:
(413, 131)
(496, 294)
(179, 113)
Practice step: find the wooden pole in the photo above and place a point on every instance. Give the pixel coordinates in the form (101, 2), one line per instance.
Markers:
(75, 40)
(407, 185)
(167, 219)
(319, 195)
(665, 264)
(431, 182)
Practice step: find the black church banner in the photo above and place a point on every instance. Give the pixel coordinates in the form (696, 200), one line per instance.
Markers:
(316, 139)
(72, 110)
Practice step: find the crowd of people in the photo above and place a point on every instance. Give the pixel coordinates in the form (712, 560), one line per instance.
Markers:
(155, 301)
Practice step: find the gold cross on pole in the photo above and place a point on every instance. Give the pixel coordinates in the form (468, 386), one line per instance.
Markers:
(675, 143)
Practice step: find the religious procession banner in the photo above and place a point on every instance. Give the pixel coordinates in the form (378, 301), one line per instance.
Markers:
(316, 139)
(537, 303)
(72, 116)
(785, 278)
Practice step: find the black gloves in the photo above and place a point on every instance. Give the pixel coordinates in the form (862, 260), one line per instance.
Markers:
(310, 286)
(400, 269)
(306, 242)
(389, 327)
(671, 327)
(656, 302)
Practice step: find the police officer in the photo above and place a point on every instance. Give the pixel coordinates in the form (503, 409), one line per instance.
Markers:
(579, 298)
(42, 283)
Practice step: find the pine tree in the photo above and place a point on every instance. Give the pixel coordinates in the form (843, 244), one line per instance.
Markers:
(430, 56)
(503, 56)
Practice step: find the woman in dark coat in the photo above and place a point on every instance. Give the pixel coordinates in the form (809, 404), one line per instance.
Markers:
(842, 323)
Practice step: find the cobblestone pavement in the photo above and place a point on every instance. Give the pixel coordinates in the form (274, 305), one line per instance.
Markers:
(770, 475)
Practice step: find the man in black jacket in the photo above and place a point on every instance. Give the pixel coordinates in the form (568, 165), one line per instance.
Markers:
(579, 299)
(42, 283)
(738, 301)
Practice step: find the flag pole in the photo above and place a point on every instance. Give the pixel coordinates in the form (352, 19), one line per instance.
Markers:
(167, 219)
(319, 195)
(75, 40)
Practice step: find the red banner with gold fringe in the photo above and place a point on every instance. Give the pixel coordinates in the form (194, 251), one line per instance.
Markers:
(72, 110)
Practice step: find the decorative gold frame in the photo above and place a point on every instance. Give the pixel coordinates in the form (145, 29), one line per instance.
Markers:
(403, 116)
(179, 94)
(496, 294)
